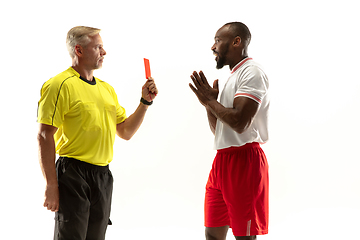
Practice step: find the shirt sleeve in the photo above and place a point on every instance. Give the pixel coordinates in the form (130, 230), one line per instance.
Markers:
(252, 83)
(120, 111)
(120, 114)
(53, 103)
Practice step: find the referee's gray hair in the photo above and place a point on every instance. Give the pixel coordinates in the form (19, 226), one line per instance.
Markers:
(79, 35)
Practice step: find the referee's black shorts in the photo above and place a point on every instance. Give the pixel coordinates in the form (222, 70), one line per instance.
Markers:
(85, 200)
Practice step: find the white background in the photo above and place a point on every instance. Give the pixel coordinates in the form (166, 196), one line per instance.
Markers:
(309, 50)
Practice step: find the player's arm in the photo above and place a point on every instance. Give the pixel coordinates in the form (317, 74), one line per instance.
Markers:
(47, 163)
(208, 93)
(129, 127)
(240, 117)
(212, 120)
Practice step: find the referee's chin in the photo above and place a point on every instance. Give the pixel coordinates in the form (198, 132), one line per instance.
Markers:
(98, 66)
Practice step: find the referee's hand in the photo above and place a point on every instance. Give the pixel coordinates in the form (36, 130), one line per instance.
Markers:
(51, 201)
(149, 90)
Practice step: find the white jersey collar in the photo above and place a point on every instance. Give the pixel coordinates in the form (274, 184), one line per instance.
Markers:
(237, 66)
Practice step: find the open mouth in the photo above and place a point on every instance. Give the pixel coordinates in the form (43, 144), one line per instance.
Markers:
(216, 56)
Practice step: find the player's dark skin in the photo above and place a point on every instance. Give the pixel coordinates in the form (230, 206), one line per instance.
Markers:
(229, 50)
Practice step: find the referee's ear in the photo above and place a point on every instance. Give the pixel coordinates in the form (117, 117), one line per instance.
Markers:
(78, 50)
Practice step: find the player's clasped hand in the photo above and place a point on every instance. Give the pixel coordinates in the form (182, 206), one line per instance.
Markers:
(202, 89)
(149, 90)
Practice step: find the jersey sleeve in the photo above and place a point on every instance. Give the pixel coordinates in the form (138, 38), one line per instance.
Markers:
(252, 83)
(53, 103)
(120, 111)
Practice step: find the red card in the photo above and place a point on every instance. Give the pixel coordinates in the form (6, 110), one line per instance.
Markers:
(147, 68)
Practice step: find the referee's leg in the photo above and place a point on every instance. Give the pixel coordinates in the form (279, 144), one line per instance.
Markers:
(100, 205)
(71, 221)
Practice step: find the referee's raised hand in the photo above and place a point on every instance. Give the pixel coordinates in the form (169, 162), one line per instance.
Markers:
(149, 90)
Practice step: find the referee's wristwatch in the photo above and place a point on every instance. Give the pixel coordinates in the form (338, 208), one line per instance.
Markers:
(142, 100)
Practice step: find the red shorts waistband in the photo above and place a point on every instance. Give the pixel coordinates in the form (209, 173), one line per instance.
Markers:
(234, 149)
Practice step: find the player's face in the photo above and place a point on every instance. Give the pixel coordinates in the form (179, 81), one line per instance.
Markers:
(94, 52)
(221, 48)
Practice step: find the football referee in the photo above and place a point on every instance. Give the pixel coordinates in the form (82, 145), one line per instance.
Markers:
(79, 116)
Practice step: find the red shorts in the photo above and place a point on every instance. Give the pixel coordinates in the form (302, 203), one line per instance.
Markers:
(237, 192)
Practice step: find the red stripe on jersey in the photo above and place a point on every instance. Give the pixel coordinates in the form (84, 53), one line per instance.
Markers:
(248, 95)
(240, 64)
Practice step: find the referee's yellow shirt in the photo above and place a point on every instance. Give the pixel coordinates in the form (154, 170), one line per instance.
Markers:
(85, 113)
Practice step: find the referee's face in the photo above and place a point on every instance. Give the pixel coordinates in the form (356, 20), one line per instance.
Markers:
(94, 53)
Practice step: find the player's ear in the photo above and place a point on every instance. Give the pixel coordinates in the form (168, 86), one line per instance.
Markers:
(237, 41)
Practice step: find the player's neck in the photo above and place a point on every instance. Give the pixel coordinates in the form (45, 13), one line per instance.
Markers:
(238, 57)
(236, 62)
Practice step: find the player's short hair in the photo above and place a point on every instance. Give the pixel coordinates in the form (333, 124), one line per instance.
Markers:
(79, 35)
(241, 30)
